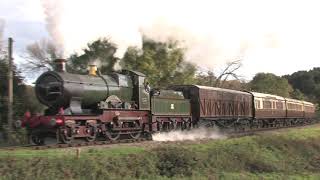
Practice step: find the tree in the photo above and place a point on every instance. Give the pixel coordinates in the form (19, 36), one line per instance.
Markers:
(270, 83)
(307, 82)
(100, 52)
(303, 81)
(40, 56)
(297, 94)
(206, 79)
(235, 85)
(229, 70)
(209, 78)
(18, 92)
(163, 63)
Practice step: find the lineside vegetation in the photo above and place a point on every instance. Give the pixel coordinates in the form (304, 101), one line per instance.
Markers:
(291, 153)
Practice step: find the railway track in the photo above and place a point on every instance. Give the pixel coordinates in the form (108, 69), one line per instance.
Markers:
(255, 131)
(95, 143)
(228, 134)
(75, 144)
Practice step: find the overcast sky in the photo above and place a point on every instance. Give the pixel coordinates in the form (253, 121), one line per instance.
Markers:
(274, 36)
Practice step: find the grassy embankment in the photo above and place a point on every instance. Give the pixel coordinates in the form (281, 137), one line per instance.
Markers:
(291, 154)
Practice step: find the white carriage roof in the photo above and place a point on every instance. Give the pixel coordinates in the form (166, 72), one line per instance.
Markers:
(220, 89)
(308, 103)
(263, 95)
(294, 101)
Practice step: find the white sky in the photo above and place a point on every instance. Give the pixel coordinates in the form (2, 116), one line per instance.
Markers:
(274, 36)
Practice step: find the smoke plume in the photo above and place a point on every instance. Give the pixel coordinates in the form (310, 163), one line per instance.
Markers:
(192, 135)
(53, 10)
(213, 32)
(72, 24)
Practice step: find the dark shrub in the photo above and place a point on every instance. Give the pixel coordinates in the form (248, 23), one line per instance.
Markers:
(173, 161)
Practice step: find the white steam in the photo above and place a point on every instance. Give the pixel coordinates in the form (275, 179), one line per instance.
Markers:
(196, 24)
(212, 31)
(192, 135)
(53, 13)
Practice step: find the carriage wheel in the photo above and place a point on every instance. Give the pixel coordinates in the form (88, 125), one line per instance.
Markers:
(187, 124)
(179, 126)
(135, 135)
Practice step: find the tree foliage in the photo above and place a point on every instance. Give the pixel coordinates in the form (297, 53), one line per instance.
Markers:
(270, 83)
(307, 82)
(100, 52)
(22, 97)
(206, 79)
(297, 94)
(163, 63)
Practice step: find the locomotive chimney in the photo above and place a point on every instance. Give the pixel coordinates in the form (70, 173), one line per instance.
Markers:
(60, 65)
(92, 70)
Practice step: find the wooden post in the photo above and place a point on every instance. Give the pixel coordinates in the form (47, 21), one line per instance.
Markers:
(10, 83)
(78, 150)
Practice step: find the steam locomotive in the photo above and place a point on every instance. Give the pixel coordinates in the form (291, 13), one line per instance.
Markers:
(96, 106)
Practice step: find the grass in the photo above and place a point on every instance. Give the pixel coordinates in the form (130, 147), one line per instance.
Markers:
(54, 153)
(289, 154)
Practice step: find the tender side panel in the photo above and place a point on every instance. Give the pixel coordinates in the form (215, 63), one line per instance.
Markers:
(166, 106)
(269, 106)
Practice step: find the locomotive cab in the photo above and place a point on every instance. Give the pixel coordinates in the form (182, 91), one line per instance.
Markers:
(141, 91)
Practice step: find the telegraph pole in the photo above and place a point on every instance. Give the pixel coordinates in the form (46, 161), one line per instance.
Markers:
(10, 83)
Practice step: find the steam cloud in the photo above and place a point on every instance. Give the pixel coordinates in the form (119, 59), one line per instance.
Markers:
(72, 24)
(194, 134)
(53, 12)
(213, 32)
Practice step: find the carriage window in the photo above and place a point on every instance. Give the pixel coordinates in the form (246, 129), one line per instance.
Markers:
(257, 104)
(296, 107)
(267, 104)
(290, 106)
(279, 105)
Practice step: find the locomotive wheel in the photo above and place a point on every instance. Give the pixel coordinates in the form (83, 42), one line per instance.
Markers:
(66, 135)
(92, 134)
(179, 126)
(112, 135)
(37, 139)
(187, 125)
(135, 135)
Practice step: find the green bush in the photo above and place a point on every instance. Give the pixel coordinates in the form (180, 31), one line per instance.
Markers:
(14, 137)
(175, 161)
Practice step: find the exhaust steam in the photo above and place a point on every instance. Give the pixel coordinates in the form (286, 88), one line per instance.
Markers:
(192, 135)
